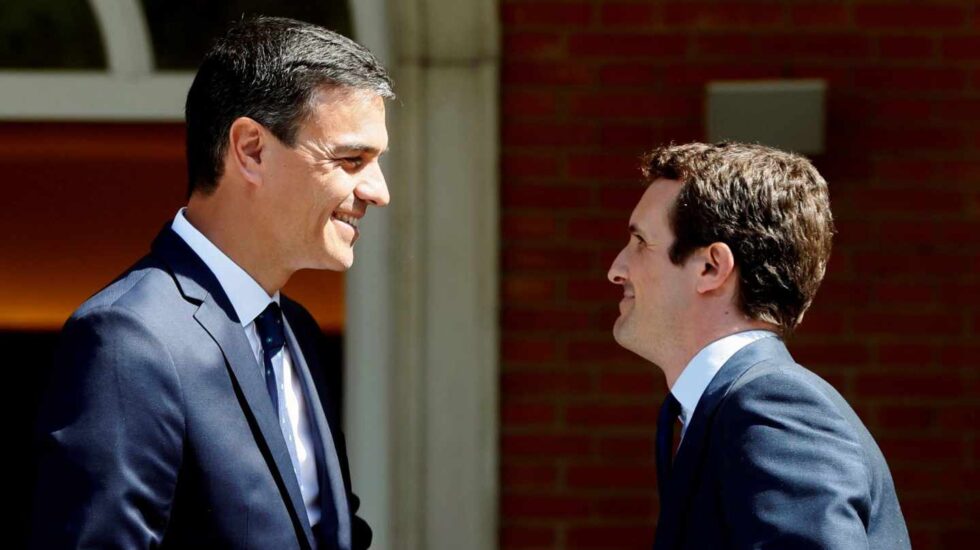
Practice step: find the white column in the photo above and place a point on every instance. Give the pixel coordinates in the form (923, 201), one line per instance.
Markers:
(461, 316)
(422, 386)
(368, 344)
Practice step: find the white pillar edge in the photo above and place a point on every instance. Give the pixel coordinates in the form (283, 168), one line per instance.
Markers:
(461, 422)
(422, 363)
(368, 324)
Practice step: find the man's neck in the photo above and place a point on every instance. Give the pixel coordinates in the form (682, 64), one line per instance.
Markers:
(687, 346)
(228, 228)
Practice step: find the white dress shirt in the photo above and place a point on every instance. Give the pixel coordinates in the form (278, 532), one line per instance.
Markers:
(703, 367)
(249, 300)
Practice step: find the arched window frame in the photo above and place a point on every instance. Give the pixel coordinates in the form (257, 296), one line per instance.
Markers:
(130, 89)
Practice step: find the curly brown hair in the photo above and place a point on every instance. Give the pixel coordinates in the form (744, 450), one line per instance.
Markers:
(769, 206)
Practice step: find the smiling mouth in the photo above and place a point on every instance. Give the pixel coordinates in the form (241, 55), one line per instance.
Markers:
(349, 220)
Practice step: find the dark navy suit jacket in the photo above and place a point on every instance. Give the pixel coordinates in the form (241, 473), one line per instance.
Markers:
(157, 429)
(775, 458)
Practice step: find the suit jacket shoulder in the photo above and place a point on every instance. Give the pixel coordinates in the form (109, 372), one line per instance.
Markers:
(775, 456)
(792, 467)
(114, 376)
(157, 429)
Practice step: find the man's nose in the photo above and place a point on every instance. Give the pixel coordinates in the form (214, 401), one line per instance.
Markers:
(617, 271)
(374, 188)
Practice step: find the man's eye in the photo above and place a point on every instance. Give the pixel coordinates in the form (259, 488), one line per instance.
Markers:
(352, 162)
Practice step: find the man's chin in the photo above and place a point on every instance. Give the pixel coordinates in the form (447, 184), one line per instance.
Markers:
(338, 260)
(333, 264)
(620, 332)
(342, 266)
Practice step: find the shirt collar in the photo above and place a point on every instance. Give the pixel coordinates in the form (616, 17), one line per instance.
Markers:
(699, 372)
(246, 295)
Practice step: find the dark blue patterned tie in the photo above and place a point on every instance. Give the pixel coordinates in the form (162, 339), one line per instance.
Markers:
(665, 442)
(269, 325)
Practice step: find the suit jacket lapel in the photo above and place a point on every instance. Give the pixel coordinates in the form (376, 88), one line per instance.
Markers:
(216, 315)
(689, 462)
(332, 485)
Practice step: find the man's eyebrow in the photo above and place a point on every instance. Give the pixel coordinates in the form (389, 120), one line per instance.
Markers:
(635, 230)
(359, 148)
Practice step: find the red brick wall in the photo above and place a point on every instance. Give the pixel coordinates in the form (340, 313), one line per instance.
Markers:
(586, 87)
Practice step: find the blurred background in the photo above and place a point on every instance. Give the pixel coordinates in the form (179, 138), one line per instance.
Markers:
(487, 403)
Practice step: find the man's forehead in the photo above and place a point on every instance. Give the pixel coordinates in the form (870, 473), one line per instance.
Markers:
(347, 107)
(642, 222)
(355, 123)
(329, 93)
(661, 191)
(654, 204)
(664, 186)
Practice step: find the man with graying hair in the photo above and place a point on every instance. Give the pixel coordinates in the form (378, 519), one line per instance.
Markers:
(727, 248)
(188, 406)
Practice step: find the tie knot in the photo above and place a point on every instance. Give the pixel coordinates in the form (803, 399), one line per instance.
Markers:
(670, 409)
(269, 326)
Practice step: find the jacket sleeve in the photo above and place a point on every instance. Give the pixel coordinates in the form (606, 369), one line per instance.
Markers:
(110, 435)
(794, 473)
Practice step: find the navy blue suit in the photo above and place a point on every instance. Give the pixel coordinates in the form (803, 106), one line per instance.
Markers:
(157, 429)
(774, 457)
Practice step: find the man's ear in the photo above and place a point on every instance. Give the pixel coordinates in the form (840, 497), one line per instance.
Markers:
(716, 266)
(246, 141)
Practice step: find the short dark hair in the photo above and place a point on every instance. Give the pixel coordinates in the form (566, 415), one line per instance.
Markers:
(268, 69)
(770, 207)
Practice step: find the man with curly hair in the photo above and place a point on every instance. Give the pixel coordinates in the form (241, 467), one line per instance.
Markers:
(727, 248)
